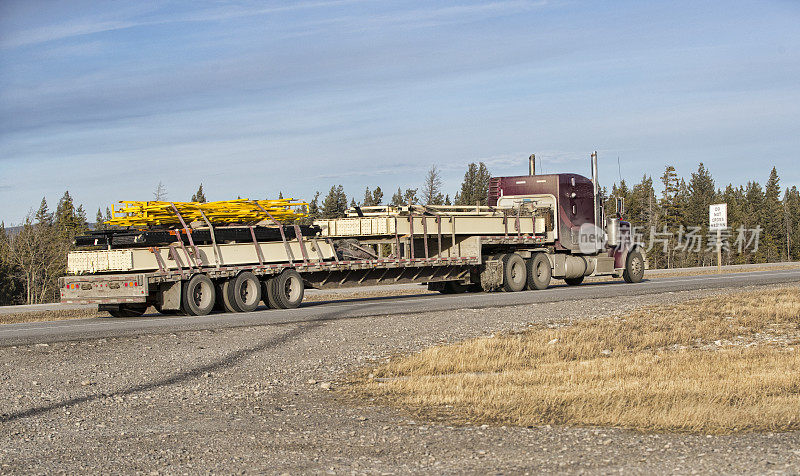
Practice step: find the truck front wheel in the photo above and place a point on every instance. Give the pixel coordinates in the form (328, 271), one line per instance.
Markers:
(634, 267)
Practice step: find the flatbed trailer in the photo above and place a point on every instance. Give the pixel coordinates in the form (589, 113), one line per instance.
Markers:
(535, 228)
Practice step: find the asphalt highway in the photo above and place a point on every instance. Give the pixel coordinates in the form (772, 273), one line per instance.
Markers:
(80, 329)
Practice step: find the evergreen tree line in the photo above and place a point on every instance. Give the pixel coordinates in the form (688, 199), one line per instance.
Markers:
(763, 222)
(474, 191)
(33, 257)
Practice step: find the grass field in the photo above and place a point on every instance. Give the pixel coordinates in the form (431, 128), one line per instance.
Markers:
(714, 365)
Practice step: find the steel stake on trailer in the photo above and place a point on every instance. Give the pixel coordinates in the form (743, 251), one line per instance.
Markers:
(217, 254)
(289, 253)
(188, 235)
(439, 236)
(425, 234)
(410, 230)
(258, 247)
(299, 236)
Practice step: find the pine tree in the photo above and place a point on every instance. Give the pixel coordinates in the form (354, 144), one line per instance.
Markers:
(199, 196)
(792, 217)
(432, 188)
(377, 196)
(335, 203)
(160, 193)
(475, 187)
(773, 212)
(410, 196)
(669, 197)
(43, 215)
(397, 198)
(468, 186)
(752, 217)
(98, 220)
(10, 287)
(69, 220)
(367, 199)
(313, 207)
(482, 188)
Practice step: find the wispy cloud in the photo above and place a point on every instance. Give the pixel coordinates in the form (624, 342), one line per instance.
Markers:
(83, 27)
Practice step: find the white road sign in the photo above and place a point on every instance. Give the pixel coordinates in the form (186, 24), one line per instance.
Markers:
(718, 216)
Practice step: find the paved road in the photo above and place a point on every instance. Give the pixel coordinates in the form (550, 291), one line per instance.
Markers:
(47, 332)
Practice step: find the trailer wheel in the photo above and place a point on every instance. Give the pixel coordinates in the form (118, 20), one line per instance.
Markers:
(198, 296)
(539, 271)
(267, 293)
(224, 293)
(244, 292)
(574, 281)
(288, 289)
(514, 273)
(125, 310)
(634, 267)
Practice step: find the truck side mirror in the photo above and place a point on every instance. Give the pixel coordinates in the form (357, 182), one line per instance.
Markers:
(620, 206)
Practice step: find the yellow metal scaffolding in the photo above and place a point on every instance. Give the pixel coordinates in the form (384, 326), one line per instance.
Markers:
(133, 213)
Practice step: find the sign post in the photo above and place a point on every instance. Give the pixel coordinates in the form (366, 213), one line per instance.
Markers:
(718, 220)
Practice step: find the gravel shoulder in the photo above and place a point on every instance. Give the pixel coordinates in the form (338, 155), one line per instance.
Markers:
(273, 399)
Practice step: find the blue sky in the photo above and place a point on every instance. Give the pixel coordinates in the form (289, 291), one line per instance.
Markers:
(106, 99)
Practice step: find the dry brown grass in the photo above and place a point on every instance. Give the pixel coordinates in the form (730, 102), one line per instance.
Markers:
(713, 365)
(59, 315)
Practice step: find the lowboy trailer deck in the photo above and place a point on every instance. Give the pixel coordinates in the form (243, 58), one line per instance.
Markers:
(536, 227)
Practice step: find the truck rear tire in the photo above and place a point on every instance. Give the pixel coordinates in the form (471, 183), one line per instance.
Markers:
(267, 292)
(514, 273)
(125, 310)
(224, 294)
(244, 292)
(288, 289)
(634, 267)
(198, 296)
(539, 271)
(574, 281)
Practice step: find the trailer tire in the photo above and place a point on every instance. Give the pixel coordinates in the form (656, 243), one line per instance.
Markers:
(126, 310)
(574, 281)
(224, 294)
(514, 273)
(198, 296)
(634, 267)
(244, 292)
(539, 271)
(267, 293)
(288, 289)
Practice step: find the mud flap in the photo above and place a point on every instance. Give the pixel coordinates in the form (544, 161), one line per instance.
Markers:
(492, 274)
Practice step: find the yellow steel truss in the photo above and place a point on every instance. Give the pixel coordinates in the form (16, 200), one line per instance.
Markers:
(133, 213)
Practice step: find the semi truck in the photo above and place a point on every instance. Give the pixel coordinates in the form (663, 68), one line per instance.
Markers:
(534, 228)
